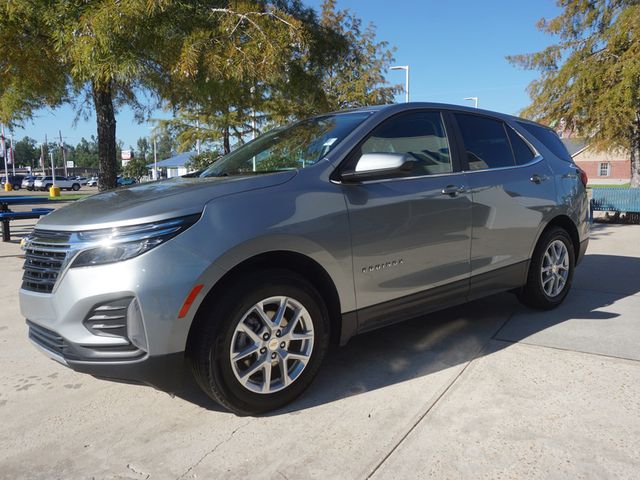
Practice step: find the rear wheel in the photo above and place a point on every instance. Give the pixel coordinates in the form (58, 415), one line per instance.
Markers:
(16, 187)
(550, 271)
(259, 350)
(75, 187)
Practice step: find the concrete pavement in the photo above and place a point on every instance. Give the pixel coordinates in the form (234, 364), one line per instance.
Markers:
(486, 390)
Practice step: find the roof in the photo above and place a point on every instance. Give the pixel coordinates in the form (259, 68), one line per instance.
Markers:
(575, 145)
(177, 161)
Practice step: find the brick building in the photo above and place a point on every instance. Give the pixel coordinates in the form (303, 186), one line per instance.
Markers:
(611, 167)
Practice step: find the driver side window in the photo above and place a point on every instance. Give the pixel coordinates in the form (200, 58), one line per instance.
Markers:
(420, 135)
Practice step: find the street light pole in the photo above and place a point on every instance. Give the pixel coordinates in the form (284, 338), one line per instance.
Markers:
(155, 159)
(406, 79)
(474, 99)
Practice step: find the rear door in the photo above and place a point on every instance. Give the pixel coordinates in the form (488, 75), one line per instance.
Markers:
(512, 188)
(410, 236)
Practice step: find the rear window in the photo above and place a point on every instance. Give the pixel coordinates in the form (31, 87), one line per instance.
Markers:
(549, 138)
(521, 150)
(486, 142)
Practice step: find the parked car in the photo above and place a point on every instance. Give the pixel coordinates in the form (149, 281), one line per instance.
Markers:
(14, 180)
(44, 183)
(82, 180)
(92, 182)
(126, 181)
(28, 181)
(310, 234)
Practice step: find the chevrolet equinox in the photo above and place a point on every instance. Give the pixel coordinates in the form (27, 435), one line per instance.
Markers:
(305, 236)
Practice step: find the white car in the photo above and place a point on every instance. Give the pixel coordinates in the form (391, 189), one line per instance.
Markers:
(43, 183)
(92, 182)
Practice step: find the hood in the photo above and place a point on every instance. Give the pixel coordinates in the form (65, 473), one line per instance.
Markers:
(150, 202)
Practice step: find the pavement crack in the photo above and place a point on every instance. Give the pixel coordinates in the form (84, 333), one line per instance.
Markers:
(213, 450)
(478, 353)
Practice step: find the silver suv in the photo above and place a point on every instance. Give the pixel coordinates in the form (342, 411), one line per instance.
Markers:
(308, 235)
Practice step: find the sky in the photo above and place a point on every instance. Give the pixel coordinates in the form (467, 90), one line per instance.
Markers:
(455, 49)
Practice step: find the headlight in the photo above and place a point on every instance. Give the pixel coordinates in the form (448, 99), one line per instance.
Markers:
(111, 245)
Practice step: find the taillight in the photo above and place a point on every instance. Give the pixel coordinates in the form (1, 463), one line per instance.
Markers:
(583, 176)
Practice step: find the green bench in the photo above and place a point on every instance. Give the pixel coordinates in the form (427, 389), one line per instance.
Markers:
(620, 200)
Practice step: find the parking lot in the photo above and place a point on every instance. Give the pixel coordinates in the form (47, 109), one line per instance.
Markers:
(485, 390)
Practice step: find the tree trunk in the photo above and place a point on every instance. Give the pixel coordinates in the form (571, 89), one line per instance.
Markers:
(226, 145)
(106, 121)
(635, 154)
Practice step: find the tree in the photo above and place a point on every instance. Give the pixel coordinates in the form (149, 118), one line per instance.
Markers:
(590, 77)
(110, 51)
(27, 152)
(136, 168)
(143, 147)
(357, 78)
(86, 153)
(343, 68)
(202, 160)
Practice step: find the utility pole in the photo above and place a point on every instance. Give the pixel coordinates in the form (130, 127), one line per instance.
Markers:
(64, 158)
(42, 162)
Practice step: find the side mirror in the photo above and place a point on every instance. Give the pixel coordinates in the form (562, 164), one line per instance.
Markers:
(375, 166)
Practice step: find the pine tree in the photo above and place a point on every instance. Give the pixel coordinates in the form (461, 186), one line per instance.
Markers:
(590, 77)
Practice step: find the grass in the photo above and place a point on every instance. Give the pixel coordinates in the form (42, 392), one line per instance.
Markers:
(617, 185)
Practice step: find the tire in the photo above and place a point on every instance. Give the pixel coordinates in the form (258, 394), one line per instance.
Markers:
(544, 289)
(16, 187)
(75, 187)
(220, 333)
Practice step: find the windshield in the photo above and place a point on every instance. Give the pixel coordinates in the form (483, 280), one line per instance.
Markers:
(289, 148)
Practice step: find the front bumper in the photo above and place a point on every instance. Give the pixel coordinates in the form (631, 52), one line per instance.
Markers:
(165, 372)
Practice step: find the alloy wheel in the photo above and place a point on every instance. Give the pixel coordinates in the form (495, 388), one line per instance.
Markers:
(272, 344)
(555, 268)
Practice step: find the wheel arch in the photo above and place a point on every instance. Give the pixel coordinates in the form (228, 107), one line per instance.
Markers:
(283, 260)
(564, 222)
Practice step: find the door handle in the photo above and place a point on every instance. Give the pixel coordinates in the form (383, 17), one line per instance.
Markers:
(535, 178)
(453, 190)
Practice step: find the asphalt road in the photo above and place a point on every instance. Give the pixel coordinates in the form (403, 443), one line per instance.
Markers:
(485, 390)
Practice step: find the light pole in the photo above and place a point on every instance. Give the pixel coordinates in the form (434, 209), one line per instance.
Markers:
(406, 79)
(155, 159)
(475, 99)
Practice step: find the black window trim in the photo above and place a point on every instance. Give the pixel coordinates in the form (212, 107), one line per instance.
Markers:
(464, 160)
(449, 129)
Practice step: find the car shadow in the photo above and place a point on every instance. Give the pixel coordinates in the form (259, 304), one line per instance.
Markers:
(451, 337)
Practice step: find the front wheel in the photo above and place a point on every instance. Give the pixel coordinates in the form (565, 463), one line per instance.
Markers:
(550, 271)
(259, 350)
(75, 187)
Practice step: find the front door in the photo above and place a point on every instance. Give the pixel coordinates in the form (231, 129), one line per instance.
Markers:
(410, 235)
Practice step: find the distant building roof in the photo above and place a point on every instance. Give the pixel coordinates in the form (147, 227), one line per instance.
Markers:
(173, 162)
(575, 145)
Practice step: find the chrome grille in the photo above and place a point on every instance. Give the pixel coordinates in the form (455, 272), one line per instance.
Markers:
(45, 256)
